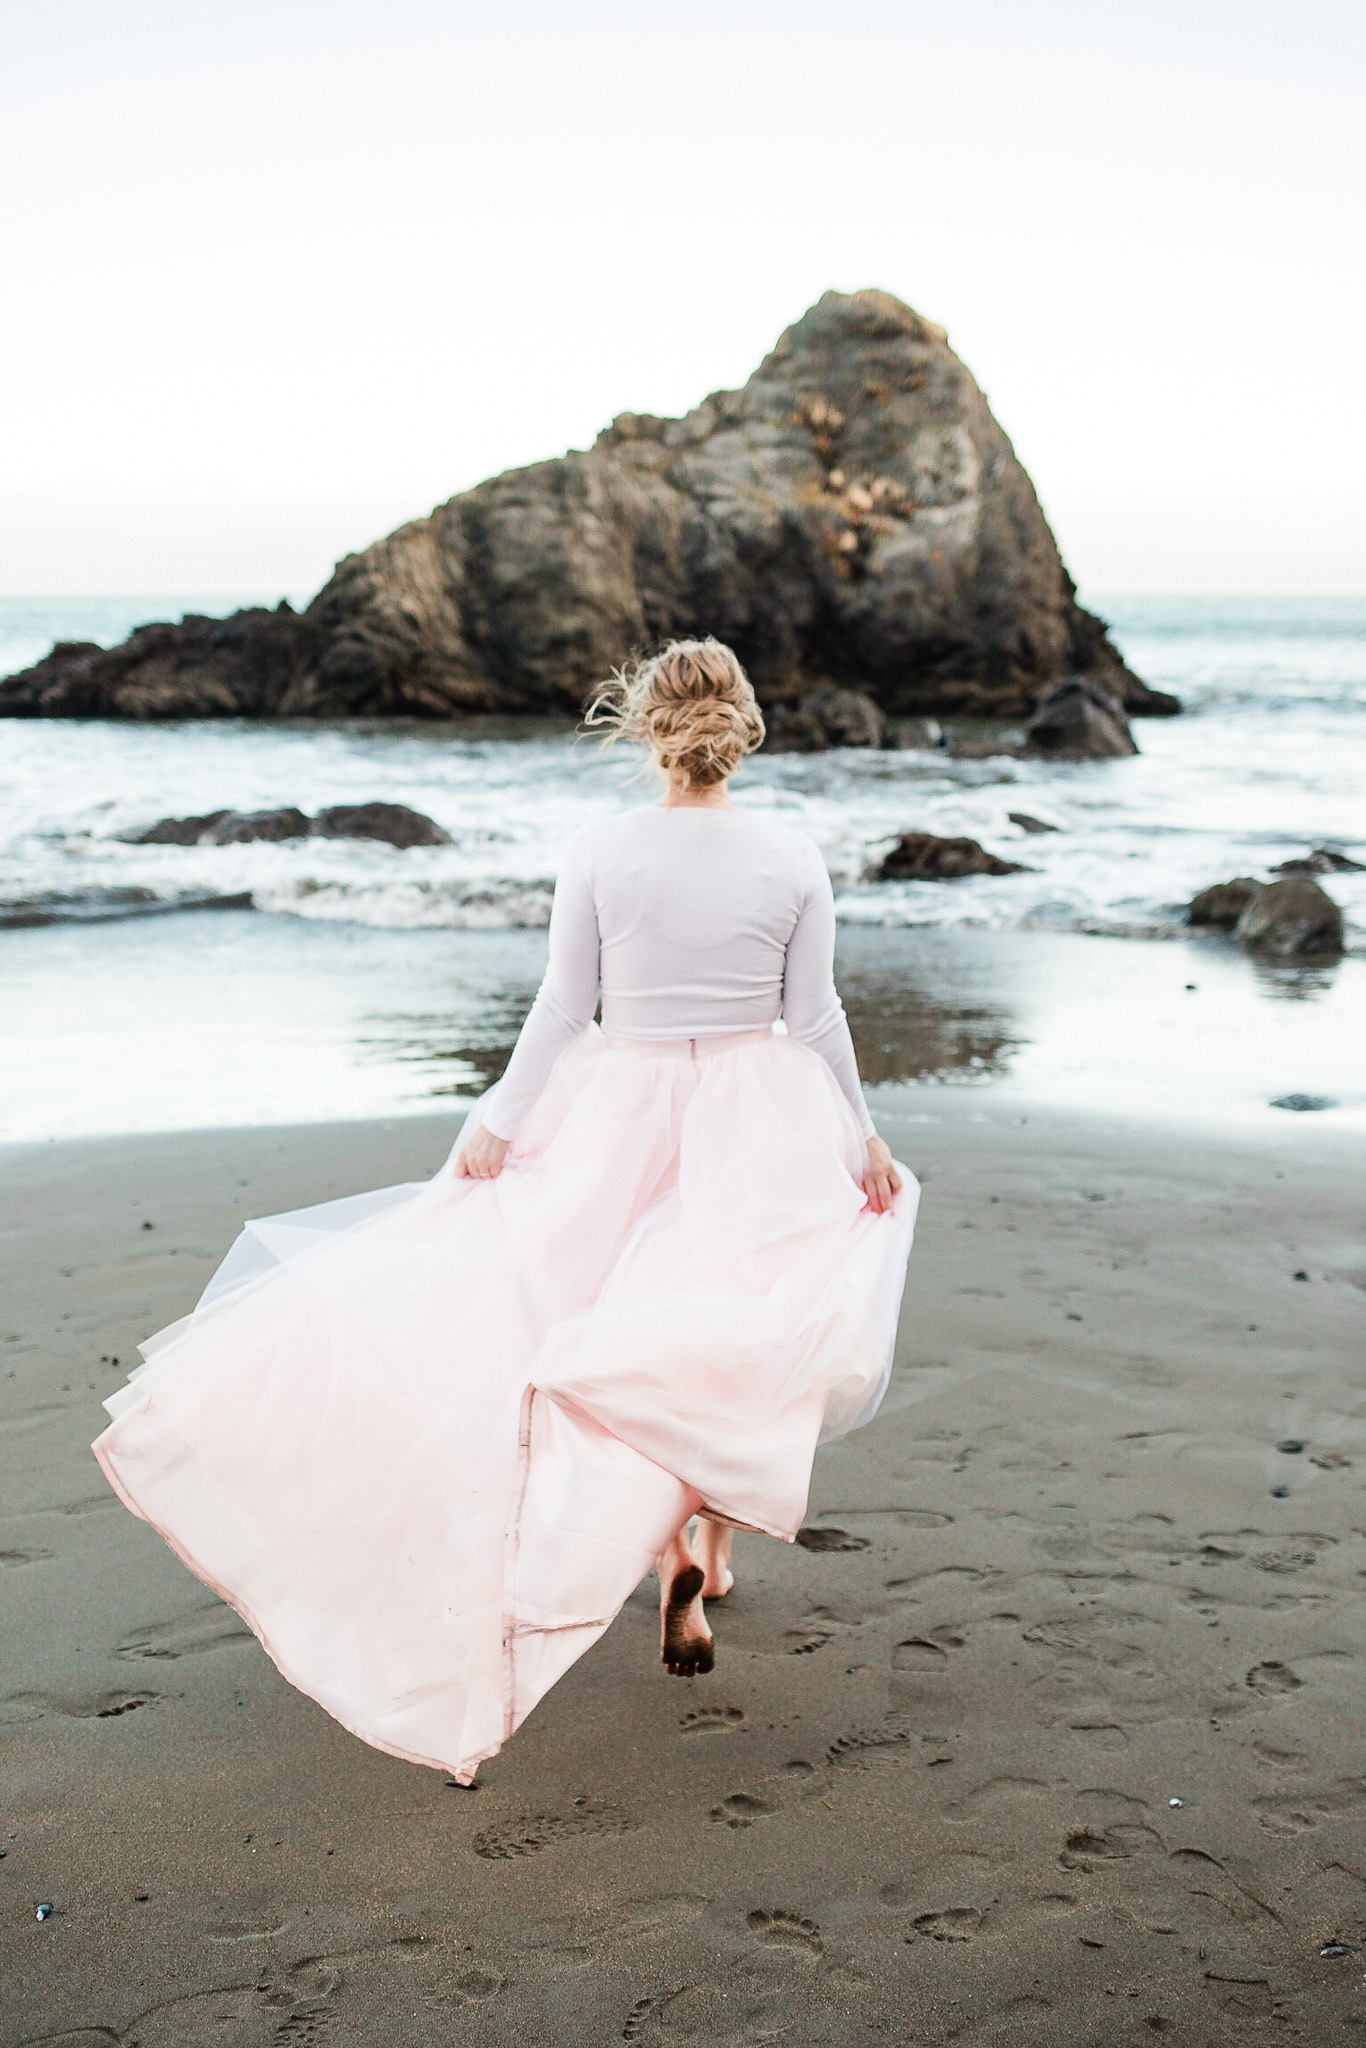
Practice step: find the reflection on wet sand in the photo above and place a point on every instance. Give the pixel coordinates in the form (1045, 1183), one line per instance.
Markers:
(906, 1030)
(914, 1015)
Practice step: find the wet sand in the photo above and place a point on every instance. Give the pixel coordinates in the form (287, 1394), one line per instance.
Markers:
(1102, 1551)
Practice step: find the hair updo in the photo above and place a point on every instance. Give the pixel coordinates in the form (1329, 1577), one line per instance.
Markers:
(691, 703)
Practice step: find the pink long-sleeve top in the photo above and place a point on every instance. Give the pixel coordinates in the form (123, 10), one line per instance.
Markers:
(690, 923)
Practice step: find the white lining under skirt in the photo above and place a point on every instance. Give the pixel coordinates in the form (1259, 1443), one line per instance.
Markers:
(426, 1441)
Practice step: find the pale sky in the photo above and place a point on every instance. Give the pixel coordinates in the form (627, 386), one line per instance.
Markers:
(279, 274)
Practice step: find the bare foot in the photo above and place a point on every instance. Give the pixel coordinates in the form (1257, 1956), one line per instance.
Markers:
(685, 1645)
(712, 1550)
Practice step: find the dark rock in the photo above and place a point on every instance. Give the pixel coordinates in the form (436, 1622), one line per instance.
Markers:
(239, 826)
(848, 718)
(395, 823)
(392, 822)
(853, 516)
(1080, 720)
(1223, 903)
(246, 666)
(1290, 919)
(1304, 1102)
(923, 857)
(788, 730)
(1322, 861)
(906, 734)
(177, 831)
(1028, 823)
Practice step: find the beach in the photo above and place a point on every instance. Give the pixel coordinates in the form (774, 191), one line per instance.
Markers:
(1046, 1732)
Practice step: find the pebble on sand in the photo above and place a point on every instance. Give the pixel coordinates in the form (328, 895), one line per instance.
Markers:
(1303, 1102)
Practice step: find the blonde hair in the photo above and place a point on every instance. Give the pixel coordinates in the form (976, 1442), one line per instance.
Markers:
(691, 703)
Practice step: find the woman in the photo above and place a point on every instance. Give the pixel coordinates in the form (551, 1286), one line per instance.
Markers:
(427, 1441)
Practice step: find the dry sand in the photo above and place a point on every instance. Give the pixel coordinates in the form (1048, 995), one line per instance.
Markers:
(1067, 1579)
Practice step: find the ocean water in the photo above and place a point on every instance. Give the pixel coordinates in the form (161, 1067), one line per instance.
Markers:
(365, 979)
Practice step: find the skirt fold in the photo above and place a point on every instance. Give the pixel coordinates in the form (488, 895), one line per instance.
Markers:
(428, 1440)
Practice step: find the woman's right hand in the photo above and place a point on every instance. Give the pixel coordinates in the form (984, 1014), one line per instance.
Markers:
(482, 1158)
(882, 1180)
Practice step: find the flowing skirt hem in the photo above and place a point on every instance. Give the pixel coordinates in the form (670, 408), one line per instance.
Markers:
(463, 1772)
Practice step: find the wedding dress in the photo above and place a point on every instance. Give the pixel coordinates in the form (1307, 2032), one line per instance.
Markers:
(427, 1440)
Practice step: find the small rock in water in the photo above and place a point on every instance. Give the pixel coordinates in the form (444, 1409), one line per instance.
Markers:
(848, 718)
(1223, 903)
(239, 827)
(1280, 1492)
(1290, 919)
(1291, 1445)
(1324, 860)
(1303, 1102)
(1027, 822)
(396, 824)
(1301, 1275)
(176, 831)
(924, 857)
(1080, 720)
(790, 731)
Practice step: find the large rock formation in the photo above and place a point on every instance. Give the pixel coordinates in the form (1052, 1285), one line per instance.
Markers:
(853, 517)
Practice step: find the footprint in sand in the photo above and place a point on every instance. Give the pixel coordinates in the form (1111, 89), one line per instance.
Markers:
(774, 1928)
(471, 1987)
(862, 1747)
(1299, 1813)
(948, 1580)
(1100, 1734)
(742, 1809)
(997, 1796)
(1088, 1849)
(920, 1656)
(949, 1923)
(830, 1539)
(640, 2013)
(712, 1720)
(1271, 1678)
(538, 1831)
(801, 1642)
(100, 1706)
(208, 1627)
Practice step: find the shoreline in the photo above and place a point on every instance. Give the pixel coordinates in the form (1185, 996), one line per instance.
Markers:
(246, 1020)
(927, 1786)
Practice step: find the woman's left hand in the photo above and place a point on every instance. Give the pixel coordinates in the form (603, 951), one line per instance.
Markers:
(882, 1180)
(482, 1158)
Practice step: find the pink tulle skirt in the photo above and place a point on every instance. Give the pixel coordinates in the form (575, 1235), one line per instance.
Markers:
(426, 1441)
